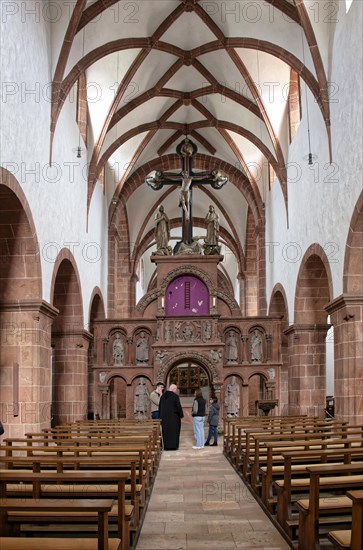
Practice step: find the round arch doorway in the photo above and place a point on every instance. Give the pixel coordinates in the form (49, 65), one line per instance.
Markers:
(189, 377)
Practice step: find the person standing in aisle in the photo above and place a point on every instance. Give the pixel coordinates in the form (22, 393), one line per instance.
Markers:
(171, 413)
(155, 400)
(213, 419)
(198, 414)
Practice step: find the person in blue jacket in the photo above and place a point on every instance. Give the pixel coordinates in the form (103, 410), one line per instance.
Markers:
(213, 419)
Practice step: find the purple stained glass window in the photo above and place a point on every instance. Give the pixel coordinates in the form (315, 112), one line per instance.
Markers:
(186, 295)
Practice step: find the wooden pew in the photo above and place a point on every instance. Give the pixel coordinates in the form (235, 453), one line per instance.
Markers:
(232, 427)
(74, 477)
(310, 509)
(306, 436)
(129, 464)
(291, 482)
(277, 463)
(100, 507)
(351, 539)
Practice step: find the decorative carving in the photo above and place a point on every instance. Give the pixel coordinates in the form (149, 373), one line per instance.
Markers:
(160, 355)
(147, 299)
(271, 373)
(187, 331)
(102, 376)
(216, 355)
(207, 331)
(188, 356)
(231, 302)
(168, 332)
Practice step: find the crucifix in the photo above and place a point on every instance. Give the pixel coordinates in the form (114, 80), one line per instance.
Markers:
(187, 179)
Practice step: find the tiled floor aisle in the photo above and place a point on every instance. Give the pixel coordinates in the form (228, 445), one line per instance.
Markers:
(198, 501)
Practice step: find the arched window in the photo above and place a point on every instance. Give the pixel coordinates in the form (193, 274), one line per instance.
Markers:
(186, 295)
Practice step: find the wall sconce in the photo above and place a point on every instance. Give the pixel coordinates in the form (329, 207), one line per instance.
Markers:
(214, 301)
(162, 301)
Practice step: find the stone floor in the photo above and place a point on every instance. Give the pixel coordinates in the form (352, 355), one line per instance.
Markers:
(198, 501)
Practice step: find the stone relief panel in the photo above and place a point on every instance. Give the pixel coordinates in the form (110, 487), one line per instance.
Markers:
(188, 331)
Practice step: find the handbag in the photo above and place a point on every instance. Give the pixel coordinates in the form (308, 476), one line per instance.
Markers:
(195, 408)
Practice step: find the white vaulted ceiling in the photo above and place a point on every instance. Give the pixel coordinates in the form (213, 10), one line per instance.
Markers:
(215, 71)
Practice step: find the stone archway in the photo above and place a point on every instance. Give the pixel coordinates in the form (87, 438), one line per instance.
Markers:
(70, 344)
(194, 360)
(25, 318)
(307, 337)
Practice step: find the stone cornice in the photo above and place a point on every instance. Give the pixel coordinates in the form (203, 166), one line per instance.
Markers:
(83, 334)
(309, 327)
(344, 300)
(40, 306)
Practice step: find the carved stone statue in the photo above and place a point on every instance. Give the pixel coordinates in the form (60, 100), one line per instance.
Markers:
(162, 233)
(142, 349)
(184, 195)
(256, 347)
(232, 398)
(141, 401)
(231, 348)
(211, 239)
(118, 351)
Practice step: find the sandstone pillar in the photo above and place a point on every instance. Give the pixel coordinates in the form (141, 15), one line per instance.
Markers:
(25, 366)
(306, 369)
(346, 314)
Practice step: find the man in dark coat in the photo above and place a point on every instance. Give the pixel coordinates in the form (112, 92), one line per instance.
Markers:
(171, 413)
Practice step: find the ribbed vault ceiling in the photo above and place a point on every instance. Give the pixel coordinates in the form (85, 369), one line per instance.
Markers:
(217, 71)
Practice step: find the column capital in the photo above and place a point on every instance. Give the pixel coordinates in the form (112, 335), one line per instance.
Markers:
(309, 327)
(344, 301)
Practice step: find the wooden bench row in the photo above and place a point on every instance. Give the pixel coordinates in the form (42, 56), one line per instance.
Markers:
(36, 468)
(279, 462)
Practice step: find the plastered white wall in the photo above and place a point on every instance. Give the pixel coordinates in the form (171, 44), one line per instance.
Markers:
(57, 195)
(322, 197)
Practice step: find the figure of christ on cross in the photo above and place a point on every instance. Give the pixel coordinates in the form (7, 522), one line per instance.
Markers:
(187, 178)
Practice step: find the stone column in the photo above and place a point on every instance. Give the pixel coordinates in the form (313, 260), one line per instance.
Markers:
(105, 349)
(242, 293)
(346, 314)
(268, 347)
(306, 377)
(245, 357)
(71, 375)
(26, 366)
(244, 400)
(105, 402)
(130, 356)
